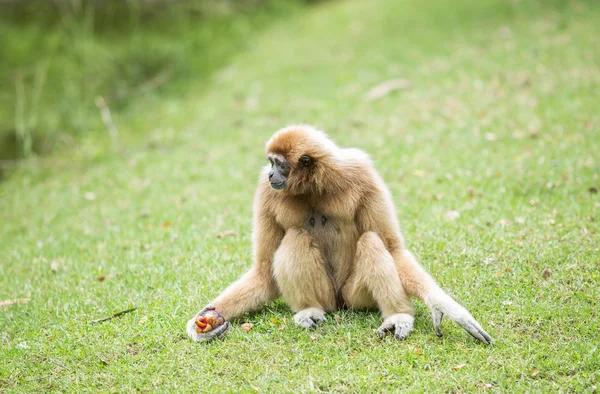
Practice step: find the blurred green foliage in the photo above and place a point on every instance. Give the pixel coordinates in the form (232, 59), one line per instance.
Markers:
(57, 58)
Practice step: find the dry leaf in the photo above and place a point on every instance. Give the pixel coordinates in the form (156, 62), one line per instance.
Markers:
(385, 88)
(247, 326)
(314, 338)
(281, 327)
(457, 367)
(535, 371)
(227, 233)
(534, 202)
(5, 304)
(546, 273)
(499, 274)
(101, 278)
(593, 190)
(488, 386)
(337, 317)
(143, 320)
(471, 192)
(166, 224)
(534, 264)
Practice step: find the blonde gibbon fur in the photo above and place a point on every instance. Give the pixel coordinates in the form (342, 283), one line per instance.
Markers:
(326, 236)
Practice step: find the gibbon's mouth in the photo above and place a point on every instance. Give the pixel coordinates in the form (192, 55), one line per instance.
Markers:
(278, 186)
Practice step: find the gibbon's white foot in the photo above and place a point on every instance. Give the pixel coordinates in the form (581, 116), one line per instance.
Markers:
(442, 304)
(310, 317)
(401, 324)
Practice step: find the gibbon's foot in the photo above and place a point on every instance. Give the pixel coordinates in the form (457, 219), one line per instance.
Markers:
(310, 317)
(401, 324)
(200, 327)
(444, 305)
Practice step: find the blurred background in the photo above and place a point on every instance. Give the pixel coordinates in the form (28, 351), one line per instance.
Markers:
(75, 67)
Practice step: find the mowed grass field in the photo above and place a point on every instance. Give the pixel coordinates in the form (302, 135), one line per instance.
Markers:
(491, 149)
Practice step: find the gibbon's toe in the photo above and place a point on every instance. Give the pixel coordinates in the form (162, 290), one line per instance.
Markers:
(308, 318)
(401, 324)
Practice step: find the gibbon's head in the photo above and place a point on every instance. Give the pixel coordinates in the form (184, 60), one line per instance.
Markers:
(301, 158)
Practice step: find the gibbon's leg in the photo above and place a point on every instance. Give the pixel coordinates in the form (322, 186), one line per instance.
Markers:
(419, 283)
(301, 275)
(376, 281)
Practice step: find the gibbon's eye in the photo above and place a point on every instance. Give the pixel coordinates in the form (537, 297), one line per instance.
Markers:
(305, 161)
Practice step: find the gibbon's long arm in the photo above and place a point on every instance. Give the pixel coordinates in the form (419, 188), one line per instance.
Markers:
(255, 287)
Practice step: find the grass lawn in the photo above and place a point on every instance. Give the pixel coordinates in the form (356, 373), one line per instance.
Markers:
(500, 124)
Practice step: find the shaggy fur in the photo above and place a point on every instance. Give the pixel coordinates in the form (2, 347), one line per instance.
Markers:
(330, 240)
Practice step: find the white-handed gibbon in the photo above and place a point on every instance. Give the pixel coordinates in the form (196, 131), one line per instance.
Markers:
(326, 237)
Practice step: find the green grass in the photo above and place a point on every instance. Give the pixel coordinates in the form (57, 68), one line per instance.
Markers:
(501, 124)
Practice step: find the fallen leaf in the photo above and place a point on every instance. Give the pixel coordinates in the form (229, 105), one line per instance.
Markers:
(227, 233)
(314, 338)
(90, 196)
(438, 196)
(534, 202)
(337, 317)
(534, 264)
(418, 350)
(101, 278)
(457, 367)
(535, 371)
(499, 274)
(488, 386)
(385, 88)
(281, 327)
(247, 326)
(54, 266)
(5, 304)
(471, 192)
(166, 224)
(275, 320)
(546, 273)
(593, 190)
(143, 320)
(452, 215)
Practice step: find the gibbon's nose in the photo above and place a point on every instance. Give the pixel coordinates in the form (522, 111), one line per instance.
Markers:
(270, 176)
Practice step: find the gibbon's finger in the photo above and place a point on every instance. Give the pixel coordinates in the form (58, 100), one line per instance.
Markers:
(437, 321)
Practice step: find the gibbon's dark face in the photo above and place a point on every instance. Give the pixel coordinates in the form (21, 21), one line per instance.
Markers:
(281, 168)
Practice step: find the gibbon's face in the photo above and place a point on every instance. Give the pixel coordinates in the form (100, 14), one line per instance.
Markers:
(284, 173)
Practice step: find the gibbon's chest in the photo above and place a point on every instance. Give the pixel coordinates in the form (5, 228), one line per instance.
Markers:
(334, 233)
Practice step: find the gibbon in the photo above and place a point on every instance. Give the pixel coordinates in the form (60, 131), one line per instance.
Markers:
(326, 237)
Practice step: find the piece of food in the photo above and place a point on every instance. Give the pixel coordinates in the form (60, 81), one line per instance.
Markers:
(210, 320)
